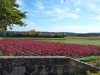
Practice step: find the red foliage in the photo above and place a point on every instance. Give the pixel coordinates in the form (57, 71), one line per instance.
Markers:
(31, 47)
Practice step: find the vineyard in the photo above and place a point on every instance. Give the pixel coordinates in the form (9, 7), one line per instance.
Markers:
(22, 47)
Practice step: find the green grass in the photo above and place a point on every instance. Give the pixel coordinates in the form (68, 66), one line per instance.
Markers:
(89, 59)
(72, 40)
(93, 60)
(89, 73)
(78, 40)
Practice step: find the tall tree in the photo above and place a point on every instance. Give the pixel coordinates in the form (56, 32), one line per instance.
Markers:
(32, 32)
(10, 14)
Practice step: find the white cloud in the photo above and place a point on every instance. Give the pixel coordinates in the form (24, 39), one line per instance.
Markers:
(33, 15)
(97, 17)
(77, 9)
(30, 26)
(92, 6)
(77, 2)
(59, 13)
(76, 29)
(49, 12)
(20, 2)
(39, 5)
(62, 1)
(72, 15)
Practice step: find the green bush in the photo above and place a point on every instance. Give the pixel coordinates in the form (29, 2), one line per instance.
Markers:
(89, 73)
(97, 63)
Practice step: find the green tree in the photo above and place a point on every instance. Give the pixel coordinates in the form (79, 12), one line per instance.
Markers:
(39, 33)
(64, 34)
(8, 34)
(31, 32)
(10, 14)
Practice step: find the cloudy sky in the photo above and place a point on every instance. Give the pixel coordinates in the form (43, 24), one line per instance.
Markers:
(79, 16)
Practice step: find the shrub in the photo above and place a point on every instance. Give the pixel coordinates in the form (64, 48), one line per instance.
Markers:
(89, 73)
(97, 63)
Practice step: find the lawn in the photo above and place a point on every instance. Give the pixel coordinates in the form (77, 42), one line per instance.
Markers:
(77, 40)
(93, 60)
(72, 40)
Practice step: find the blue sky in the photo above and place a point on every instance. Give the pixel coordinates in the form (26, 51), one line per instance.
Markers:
(79, 16)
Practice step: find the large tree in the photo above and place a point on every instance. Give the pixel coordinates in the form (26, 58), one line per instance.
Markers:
(10, 14)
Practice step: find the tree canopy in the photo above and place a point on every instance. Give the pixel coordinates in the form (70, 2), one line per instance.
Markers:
(10, 14)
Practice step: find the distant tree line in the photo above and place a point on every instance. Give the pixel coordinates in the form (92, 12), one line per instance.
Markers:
(32, 33)
(88, 35)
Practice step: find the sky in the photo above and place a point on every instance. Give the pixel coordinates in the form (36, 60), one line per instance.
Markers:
(78, 16)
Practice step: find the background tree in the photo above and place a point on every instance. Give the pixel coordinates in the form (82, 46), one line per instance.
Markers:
(39, 33)
(64, 34)
(8, 34)
(32, 32)
(10, 14)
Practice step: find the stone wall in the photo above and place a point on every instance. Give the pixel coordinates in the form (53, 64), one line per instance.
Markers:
(42, 65)
(79, 67)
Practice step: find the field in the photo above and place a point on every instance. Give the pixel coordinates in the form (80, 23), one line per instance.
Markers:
(79, 40)
(86, 49)
(72, 40)
(69, 46)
